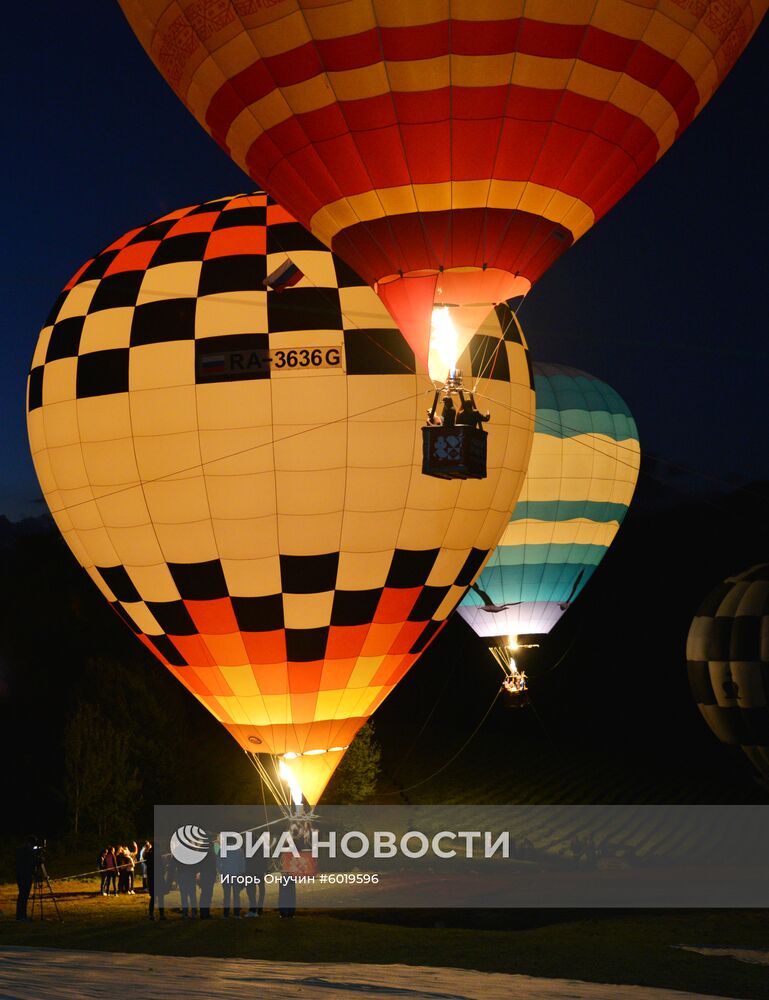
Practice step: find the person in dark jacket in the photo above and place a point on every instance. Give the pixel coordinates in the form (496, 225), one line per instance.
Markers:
(232, 868)
(142, 866)
(103, 870)
(110, 867)
(25, 874)
(207, 870)
(256, 868)
(185, 879)
(149, 877)
(156, 888)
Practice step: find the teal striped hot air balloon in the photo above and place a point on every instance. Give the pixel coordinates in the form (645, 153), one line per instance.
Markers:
(580, 480)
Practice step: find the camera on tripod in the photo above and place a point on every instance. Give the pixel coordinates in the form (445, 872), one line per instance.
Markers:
(40, 882)
(39, 847)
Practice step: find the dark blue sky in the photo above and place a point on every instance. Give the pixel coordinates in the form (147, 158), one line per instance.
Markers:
(665, 298)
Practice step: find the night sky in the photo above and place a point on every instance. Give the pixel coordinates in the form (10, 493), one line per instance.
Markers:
(664, 299)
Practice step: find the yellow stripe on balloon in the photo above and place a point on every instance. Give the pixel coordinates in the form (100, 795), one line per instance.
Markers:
(552, 204)
(590, 467)
(426, 75)
(579, 531)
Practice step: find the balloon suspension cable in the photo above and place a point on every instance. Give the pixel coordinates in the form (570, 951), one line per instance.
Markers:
(453, 757)
(486, 362)
(465, 414)
(607, 449)
(515, 681)
(266, 776)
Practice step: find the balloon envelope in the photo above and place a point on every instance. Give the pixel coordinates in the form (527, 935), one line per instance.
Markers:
(449, 150)
(580, 480)
(239, 470)
(727, 654)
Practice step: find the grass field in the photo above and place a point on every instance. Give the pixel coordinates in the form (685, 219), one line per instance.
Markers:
(600, 947)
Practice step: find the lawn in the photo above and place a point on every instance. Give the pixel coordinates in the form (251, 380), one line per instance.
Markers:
(612, 947)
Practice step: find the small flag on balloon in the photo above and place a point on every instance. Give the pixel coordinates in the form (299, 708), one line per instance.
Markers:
(283, 277)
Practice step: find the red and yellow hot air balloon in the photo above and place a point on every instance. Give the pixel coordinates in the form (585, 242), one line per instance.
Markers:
(449, 150)
(238, 469)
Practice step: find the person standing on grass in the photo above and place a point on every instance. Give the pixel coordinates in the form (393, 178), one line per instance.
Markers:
(110, 867)
(149, 877)
(206, 880)
(123, 864)
(143, 862)
(185, 879)
(155, 890)
(25, 873)
(232, 868)
(133, 854)
(103, 870)
(256, 869)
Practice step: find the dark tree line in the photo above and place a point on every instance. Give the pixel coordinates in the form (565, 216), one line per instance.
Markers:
(95, 731)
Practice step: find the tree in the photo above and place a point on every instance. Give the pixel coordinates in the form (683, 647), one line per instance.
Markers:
(100, 779)
(356, 777)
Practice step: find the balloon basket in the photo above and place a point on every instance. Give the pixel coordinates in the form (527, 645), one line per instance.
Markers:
(456, 452)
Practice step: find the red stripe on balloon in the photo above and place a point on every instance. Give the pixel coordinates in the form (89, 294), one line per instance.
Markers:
(582, 153)
(595, 46)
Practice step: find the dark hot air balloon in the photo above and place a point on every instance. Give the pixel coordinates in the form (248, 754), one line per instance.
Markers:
(727, 653)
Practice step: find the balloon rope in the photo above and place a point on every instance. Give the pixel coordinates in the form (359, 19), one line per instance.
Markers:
(264, 797)
(418, 737)
(487, 365)
(240, 451)
(275, 789)
(579, 435)
(549, 738)
(631, 465)
(451, 760)
(564, 654)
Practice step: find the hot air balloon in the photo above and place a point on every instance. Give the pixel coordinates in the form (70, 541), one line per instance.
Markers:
(581, 477)
(225, 426)
(727, 654)
(450, 152)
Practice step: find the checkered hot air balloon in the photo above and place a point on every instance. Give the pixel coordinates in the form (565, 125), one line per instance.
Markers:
(238, 469)
(450, 151)
(727, 654)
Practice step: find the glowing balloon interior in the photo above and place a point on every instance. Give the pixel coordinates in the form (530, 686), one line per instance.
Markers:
(238, 470)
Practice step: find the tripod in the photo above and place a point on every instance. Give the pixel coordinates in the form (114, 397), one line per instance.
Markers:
(41, 890)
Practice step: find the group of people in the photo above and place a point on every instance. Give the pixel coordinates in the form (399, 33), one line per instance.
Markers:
(196, 885)
(118, 866)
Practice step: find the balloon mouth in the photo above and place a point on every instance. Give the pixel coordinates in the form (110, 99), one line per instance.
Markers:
(423, 301)
(464, 286)
(291, 755)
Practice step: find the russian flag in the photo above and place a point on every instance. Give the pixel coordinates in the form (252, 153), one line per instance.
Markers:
(212, 364)
(285, 276)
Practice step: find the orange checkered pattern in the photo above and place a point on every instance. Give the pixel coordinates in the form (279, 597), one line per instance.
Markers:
(263, 527)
